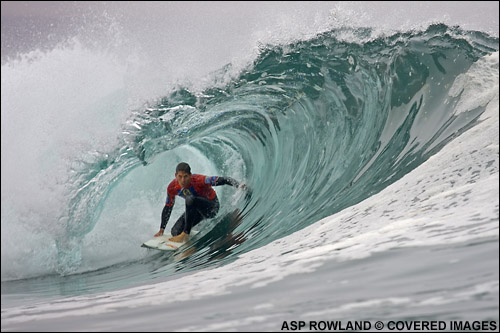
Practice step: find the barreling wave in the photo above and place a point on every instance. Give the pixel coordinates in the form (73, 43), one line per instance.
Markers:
(312, 127)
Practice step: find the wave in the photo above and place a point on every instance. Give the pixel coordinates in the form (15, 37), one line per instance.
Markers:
(312, 127)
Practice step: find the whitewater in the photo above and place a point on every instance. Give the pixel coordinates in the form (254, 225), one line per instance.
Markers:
(370, 148)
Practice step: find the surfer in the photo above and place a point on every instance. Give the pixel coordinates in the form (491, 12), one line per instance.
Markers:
(201, 200)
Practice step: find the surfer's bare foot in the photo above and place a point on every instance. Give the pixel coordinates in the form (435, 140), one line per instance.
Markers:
(179, 238)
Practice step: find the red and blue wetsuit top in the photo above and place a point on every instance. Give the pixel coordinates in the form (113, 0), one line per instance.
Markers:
(200, 186)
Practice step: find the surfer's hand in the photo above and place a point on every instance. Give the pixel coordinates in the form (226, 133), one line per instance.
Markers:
(243, 186)
(159, 233)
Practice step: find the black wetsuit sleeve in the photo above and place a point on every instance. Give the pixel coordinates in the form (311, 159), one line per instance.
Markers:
(165, 215)
(226, 181)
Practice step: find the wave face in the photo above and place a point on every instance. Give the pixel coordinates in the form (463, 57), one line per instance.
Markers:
(312, 127)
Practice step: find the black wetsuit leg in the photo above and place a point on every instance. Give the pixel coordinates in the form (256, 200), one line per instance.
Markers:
(197, 209)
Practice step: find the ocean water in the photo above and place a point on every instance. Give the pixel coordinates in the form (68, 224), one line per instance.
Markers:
(371, 152)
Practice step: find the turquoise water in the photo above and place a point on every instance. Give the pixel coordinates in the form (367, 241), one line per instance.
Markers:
(312, 130)
(314, 127)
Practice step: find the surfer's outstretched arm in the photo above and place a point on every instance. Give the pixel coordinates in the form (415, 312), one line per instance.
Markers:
(228, 181)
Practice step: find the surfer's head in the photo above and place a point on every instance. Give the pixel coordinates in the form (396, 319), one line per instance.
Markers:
(183, 167)
(183, 174)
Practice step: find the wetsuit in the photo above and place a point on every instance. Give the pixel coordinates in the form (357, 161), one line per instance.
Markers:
(201, 201)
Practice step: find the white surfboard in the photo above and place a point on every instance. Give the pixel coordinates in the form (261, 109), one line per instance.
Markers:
(162, 243)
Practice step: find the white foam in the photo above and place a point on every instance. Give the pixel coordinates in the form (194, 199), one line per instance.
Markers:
(478, 86)
(53, 113)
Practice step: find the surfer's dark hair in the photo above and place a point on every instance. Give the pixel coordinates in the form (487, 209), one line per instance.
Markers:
(183, 167)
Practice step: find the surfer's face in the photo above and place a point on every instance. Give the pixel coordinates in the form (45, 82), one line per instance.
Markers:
(183, 178)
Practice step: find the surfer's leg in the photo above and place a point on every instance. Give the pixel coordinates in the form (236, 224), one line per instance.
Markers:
(210, 208)
(198, 208)
(193, 216)
(178, 226)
